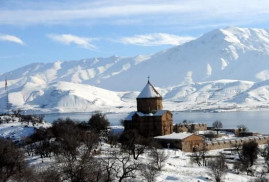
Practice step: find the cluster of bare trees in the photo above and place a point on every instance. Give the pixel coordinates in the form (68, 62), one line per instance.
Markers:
(75, 149)
(245, 157)
(12, 163)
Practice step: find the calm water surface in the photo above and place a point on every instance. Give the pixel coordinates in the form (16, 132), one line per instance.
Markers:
(254, 120)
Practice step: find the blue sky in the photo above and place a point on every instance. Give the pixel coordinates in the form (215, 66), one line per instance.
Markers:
(46, 31)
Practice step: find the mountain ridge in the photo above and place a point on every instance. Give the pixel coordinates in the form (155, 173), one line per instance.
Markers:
(238, 55)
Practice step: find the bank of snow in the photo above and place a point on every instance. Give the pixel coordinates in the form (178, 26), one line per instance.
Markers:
(15, 130)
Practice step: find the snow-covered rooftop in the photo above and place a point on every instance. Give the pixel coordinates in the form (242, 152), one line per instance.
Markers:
(149, 92)
(129, 117)
(158, 113)
(175, 136)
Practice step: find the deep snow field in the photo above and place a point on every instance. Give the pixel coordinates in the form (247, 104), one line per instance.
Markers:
(16, 130)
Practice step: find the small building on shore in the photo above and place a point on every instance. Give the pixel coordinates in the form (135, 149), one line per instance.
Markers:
(187, 142)
(190, 127)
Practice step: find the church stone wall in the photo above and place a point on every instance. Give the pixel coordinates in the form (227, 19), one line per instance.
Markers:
(149, 105)
(145, 125)
(150, 126)
(167, 123)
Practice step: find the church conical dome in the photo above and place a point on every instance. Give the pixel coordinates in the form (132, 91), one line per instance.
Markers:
(149, 100)
(149, 92)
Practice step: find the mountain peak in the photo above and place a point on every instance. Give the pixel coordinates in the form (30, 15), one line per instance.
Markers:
(249, 38)
(226, 53)
(229, 53)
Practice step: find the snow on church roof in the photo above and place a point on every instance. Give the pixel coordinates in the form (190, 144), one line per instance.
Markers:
(149, 92)
(158, 113)
(130, 116)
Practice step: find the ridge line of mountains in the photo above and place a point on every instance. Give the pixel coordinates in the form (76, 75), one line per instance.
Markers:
(225, 69)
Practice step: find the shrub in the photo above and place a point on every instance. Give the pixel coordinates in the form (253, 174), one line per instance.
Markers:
(98, 122)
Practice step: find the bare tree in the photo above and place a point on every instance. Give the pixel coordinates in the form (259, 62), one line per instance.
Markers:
(196, 158)
(217, 125)
(119, 166)
(108, 164)
(250, 152)
(82, 169)
(12, 162)
(134, 143)
(128, 168)
(247, 156)
(242, 130)
(90, 139)
(218, 168)
(265, 155)
(200, 156)
(149, 172)
(261, 179)
(50, 174)
(158, 158)
(17, 112)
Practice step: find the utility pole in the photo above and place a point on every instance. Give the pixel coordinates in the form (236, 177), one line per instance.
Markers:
(7, 102)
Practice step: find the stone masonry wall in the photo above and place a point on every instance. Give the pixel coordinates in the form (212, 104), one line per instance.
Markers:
(190, 127)
(149, 105)
(229, 143)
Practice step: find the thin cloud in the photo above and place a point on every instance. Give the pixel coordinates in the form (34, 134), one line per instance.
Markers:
(174, 12)
(11, 38)
(156, 39)
(68, 39)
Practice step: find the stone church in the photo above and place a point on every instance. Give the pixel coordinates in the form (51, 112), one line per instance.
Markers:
(150, 119)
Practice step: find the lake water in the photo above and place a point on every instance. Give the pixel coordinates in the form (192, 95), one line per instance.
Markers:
(253, 120)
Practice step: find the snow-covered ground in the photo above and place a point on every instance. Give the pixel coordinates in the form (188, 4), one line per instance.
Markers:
(180, 168)
(16, 130)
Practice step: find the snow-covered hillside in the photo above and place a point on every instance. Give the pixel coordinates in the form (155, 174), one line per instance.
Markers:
(229, 53)
(68, 97)
(187, 75)
(73, 97)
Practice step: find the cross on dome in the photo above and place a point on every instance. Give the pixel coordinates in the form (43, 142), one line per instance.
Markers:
(149, 91)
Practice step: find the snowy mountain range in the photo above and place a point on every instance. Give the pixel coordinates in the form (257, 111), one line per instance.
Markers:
(225, 69)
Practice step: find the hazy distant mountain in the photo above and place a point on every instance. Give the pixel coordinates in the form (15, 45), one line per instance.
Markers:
(188, 73)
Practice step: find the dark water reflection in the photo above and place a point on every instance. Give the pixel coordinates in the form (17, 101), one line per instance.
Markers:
(254, 120)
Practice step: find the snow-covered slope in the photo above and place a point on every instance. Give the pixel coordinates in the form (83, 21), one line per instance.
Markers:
(68, 97)
(227, 55)
(219, 95)
(73, 97)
